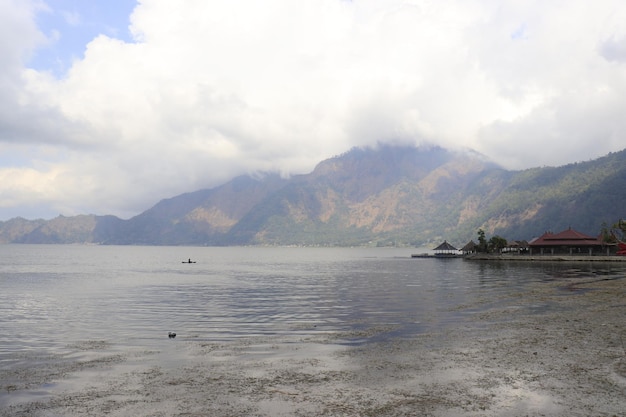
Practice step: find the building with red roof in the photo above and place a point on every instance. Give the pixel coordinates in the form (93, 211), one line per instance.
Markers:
(568, 241)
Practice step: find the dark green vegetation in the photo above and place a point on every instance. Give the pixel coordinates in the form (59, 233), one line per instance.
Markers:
(615, 232)
(385, 196)
(493, 245)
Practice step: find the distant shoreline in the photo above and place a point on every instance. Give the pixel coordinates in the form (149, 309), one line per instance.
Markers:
(544, 258)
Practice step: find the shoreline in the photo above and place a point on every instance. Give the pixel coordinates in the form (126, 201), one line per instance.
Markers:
(545, 258)
(549, 349)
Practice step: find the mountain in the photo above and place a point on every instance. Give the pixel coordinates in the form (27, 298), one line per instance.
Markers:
(384, 196)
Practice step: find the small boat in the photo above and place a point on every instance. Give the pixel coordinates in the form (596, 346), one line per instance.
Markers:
(189, 262)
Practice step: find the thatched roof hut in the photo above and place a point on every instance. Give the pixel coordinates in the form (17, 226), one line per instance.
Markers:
(470, 247)
(445, 248)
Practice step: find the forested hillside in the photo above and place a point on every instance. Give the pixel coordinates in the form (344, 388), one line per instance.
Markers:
(384, 196)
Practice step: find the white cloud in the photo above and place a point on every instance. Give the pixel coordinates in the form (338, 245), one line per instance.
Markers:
(212, 89)
(614, 49)
(71, 17)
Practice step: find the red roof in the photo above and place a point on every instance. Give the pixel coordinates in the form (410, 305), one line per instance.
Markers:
(569, 237)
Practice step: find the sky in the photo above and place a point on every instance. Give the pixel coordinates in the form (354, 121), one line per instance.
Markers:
(107, 107)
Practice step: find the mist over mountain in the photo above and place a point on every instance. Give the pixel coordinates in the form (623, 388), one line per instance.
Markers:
(391, 195)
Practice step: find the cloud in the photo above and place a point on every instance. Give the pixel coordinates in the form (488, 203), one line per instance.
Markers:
(72, 18)
(18, 33)
(614, 49)
(206, 90)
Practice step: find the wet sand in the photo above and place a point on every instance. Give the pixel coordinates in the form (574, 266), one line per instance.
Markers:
(555, 349)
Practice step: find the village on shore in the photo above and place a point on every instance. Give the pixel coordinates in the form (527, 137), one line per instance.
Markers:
(567, 245)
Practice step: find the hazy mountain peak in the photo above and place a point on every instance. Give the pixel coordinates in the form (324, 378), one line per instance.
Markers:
(400, 194)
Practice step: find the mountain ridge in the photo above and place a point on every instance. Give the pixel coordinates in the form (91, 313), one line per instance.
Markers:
(389, 195)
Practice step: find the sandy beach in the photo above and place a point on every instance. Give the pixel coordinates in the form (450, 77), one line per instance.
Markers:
(555, 349)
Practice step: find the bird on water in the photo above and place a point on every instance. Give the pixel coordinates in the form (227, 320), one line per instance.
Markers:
(171, 335)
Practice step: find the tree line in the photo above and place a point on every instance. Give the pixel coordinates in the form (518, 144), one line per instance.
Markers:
(493, 245)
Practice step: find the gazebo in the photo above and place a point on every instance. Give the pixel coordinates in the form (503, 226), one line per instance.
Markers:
(446, 250)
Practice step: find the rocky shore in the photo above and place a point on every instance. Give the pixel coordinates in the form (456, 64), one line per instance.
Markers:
(554, 349)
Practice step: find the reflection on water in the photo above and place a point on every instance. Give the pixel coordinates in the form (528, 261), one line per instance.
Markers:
(56, 296)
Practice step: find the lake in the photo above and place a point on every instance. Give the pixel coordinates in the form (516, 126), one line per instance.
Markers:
(56, 298)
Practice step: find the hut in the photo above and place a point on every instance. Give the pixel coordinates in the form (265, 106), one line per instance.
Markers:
(470, 247)
(446, 250)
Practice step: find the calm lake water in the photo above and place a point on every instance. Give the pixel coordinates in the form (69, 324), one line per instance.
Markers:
(55, 296)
